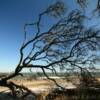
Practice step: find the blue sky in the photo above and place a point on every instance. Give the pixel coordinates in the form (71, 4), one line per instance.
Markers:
(13, 15)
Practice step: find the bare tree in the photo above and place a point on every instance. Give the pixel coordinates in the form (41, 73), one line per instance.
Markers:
(66, 45)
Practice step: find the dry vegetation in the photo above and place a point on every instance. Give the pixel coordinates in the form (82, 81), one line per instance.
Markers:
(39, 84)
(42, 87)
(45, 89)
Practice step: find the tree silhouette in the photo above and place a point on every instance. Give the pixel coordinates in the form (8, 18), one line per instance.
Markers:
(66, 45)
